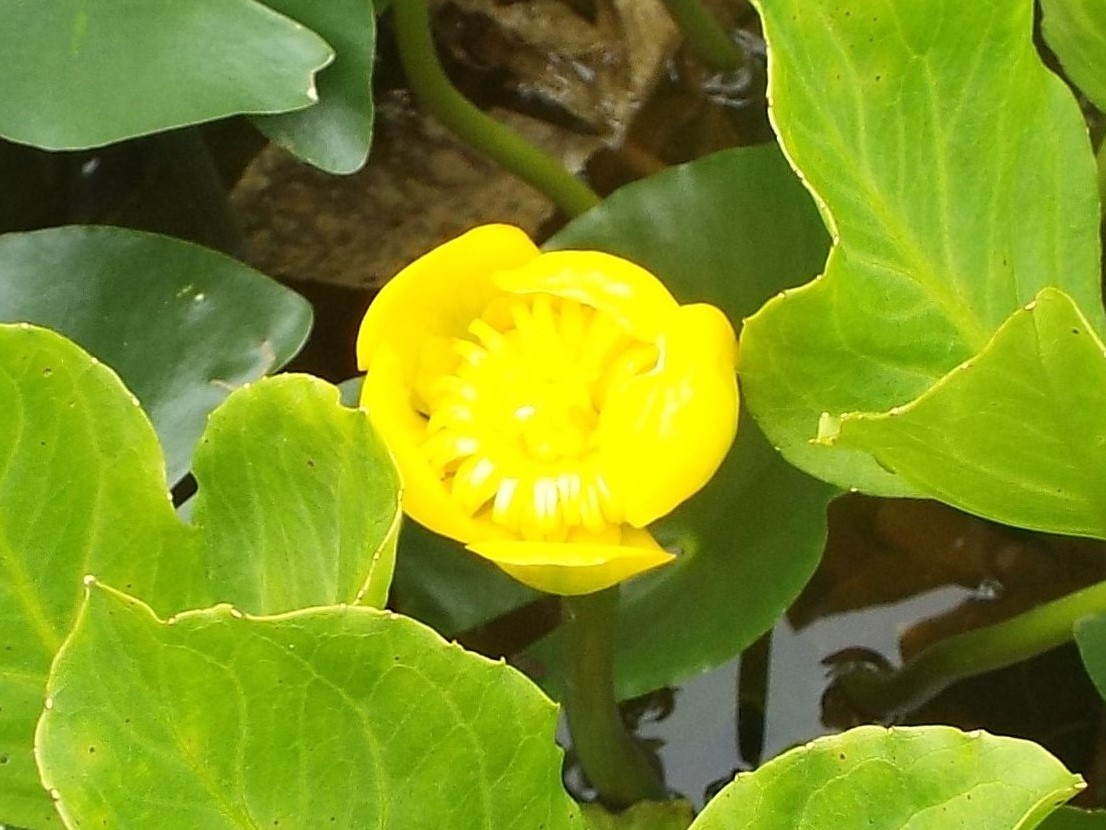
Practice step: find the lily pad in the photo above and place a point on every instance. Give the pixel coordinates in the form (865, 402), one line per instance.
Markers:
(921, 778)
(83, 73)
(1017, 434)
(82, 490)
(955, 173)
(181, 324)
(331, 717)
(334, 135)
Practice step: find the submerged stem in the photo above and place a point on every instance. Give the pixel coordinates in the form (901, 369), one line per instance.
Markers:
(706, 37)
(966, 655)
(610, 756)
(430, 85)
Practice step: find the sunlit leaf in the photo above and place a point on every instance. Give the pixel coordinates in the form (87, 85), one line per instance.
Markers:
(82, 73)
(1017, 434)
(332, 717)
(182, 325)
(956, 172)
(82, 490)
(1076, 32)
(336, 133)
(921, 778)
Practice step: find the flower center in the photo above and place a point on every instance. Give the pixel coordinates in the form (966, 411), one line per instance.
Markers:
(512, 411)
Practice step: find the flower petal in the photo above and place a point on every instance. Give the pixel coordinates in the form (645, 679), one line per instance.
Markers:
(388, 401)
(626, 291)
(570, 568)
(440, 293)
(663, 435)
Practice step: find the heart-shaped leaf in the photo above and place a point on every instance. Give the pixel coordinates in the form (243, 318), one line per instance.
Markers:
(82, 490)
(956, 174)
(82, 73)
(336, 133)
(182, 325)
(332, 717)
(921, 778)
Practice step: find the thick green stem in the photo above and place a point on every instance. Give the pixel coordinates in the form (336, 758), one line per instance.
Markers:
(706, 37)
(430, 85)
(974, 652)
(611, 758)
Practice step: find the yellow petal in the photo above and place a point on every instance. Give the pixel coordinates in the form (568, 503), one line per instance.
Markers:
(663, 435)
(629, 293)
(569, 568)
(440, 293)
(402, 429)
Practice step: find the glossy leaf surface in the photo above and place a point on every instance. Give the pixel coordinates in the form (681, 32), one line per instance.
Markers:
(182, 325)
(82, 490)
(731, 229)
(336, 133)
(347, 718)
(1017, 434)
(921, 778)
(1076, 32)
(83, 73)
(956, 174)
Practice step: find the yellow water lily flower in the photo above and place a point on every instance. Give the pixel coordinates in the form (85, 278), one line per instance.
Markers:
(543, 408)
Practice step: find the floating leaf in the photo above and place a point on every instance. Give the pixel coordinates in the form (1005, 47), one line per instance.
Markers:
(956, 174)
(332, 717)
(1017, 434)
(181, 324)
(921, 778)
(336, 133)
(83, 73)
(82, 490)
(1076, 32)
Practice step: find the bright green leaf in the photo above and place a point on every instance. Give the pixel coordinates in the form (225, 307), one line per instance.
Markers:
(1017, 434)
(182, 325)
(916, 778)
(298, 499)
(336, 133)
(83, 73)
(332, 717)
(1090, 636)
(1076, 32)
(82, 490)
(731, 229)
(956, 172)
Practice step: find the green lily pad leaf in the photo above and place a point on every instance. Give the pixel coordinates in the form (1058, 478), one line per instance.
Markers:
(648, 815)
(298, 504)
(1090, 636)
(334, 135)
(298, 500)
(1017, 434)
(181, 324)
(349, 718)
(921, 778)
(1076, 31)
(731, 229)
(83, 73)
(947, 217)
(1070, 818)
(82, 487)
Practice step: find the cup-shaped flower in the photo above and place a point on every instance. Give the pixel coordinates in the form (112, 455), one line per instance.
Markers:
(543, 408)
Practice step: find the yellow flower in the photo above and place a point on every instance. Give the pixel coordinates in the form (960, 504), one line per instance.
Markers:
(543, 408)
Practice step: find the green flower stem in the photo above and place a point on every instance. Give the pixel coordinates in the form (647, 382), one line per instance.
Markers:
(434, 92)
(611, 758)
(1033, 632)
(706, 37)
